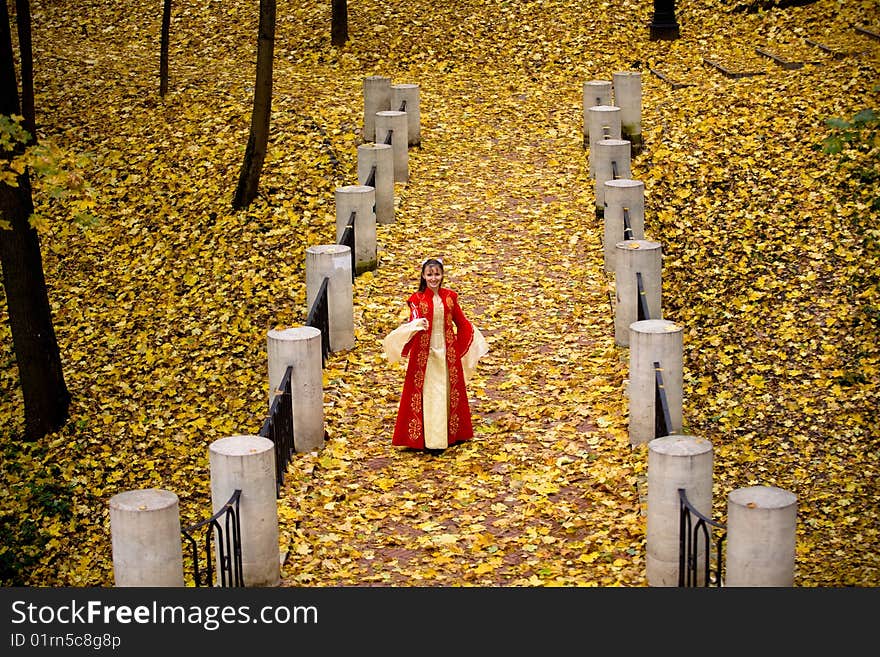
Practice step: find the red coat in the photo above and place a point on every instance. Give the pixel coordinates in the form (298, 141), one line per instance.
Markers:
(409, 430)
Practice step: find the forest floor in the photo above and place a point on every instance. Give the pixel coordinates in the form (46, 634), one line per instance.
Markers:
(162, 308)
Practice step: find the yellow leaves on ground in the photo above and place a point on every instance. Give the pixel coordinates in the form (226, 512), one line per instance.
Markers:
(162, 309)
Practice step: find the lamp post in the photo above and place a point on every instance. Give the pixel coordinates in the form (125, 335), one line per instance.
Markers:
(663, 24)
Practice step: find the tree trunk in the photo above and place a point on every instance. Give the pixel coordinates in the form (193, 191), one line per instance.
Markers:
(163, 48)
(23, 19)
(339, 23)
(46, 399)
(255, 153)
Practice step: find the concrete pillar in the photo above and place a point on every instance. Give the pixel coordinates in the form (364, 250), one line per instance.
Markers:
(146, 538)
(623, 194)
(247, 463)
(761, 524)
(675, 461)
(628, 97)
(362, 200)
(608, 155)
(379, 156)
(301, 348)
(650, 341)
(377, 98)
(409, 94)
(596, 92)
(332, 261)
(636, 257)
(396, 123)
(604, 124)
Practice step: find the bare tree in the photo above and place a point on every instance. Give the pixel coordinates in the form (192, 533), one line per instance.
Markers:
(255, 152)
(339, 23)
(163, 48)
(46, 398)
(23, 20)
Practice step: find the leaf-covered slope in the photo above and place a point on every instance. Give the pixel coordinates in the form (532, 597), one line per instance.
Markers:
(162, 310)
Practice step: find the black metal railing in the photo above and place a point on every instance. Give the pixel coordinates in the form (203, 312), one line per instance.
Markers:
(228, 542)
(643, 312)
(278, 427)
(371, 179)
(348, 239)
(627, 228)
(689, 536)
(389, 138)
(402, 106)
(662, 421)
(319, 318)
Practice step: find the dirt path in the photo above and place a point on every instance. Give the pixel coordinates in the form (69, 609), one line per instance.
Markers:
(545, 493)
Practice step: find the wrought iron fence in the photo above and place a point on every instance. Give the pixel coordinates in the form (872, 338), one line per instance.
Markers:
(643, 311)
(278, 427)
(348, 239)
(627, 228)
(227, 537)
(689, 541)
(319, 318)
(662, 421)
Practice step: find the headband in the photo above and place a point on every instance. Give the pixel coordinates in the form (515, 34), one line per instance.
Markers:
(425, 261)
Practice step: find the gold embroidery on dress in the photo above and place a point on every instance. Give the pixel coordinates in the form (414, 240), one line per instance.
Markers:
(453, 371)
(421, 365)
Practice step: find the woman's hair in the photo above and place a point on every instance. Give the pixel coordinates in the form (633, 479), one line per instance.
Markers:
(436, 262)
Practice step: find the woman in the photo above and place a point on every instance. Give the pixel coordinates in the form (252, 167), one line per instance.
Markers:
(443, 348)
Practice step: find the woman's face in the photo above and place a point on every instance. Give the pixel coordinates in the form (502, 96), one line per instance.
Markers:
(433, 276)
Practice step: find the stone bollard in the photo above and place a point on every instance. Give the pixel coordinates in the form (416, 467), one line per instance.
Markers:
(622, 195)
(377, 98)
(405, 98)
(596, 92)
(360, 199)
(610, 155)
(380, 157)
(247, 463)
(654, 341)
(146, 538)
(300, 348)
(675, 461)
(395, 122)
(636, 257)
(628, 97)
(761, 536)
(604, 124)
(332, 261)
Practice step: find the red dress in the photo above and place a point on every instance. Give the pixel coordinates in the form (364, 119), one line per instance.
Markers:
(409, 429)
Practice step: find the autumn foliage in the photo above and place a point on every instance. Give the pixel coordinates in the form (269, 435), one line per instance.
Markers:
(162, 307)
